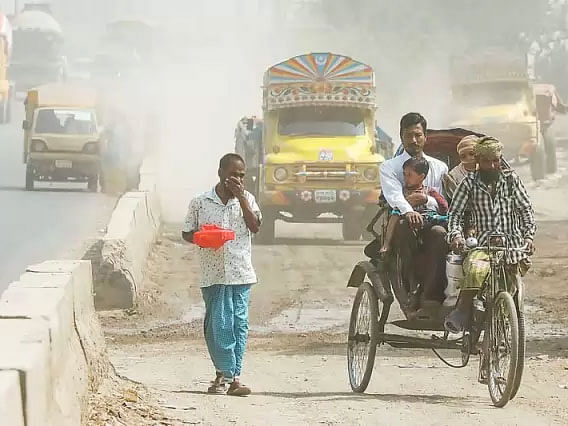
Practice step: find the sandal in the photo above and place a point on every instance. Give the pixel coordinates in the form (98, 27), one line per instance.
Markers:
(238, 389)
(218, 385)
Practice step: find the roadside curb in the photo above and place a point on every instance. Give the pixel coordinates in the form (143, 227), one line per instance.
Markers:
(52, 339)
(125, 247)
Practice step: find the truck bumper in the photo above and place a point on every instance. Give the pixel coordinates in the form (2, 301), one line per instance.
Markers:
(63, 166)
(305, 205)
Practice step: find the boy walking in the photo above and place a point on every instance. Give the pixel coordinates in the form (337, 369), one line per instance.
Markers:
(227, 274)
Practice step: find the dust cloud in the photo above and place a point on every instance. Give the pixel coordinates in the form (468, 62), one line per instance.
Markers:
(212, 56)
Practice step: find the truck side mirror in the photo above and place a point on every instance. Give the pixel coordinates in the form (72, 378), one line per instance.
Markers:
(26, 125)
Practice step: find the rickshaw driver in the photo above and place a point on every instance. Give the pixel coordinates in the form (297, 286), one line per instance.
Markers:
(499, 203)
(413, 128)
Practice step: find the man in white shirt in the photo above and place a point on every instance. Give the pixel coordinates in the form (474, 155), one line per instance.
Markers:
(227, 274)
(429, 273)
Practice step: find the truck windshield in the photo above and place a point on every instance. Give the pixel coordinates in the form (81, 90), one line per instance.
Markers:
(487, 94)
(321, 121)
(62, 121)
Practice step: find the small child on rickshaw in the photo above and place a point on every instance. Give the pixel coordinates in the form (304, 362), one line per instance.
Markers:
(415, 171)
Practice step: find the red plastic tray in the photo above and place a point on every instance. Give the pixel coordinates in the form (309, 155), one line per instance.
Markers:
(211, 236)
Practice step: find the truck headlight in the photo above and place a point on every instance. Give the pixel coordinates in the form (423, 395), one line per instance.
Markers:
(38, 145)
(370, 173)
(280, 174)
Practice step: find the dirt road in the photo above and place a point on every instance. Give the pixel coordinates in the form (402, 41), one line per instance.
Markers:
(296, 360)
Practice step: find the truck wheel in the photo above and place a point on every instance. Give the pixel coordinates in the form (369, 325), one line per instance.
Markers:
(550, 150)
(29, 178)
(351, 227)
(93, 183)
(267, 231)
(538, 162)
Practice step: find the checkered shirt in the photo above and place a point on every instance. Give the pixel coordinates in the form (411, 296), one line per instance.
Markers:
(509, 212)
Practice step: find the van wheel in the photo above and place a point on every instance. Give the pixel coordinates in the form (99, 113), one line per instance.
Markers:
(550, 150)
(29, 178)
(93, 183)
(538, 162)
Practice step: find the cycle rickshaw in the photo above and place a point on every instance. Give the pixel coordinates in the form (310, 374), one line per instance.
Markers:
(498, 317)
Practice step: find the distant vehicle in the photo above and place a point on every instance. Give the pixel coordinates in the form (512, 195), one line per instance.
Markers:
(127, 48)
(38, 56)
(493, 94)
(6, 87)
(63, 139)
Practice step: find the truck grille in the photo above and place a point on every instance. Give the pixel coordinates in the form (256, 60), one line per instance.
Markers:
(325, 173)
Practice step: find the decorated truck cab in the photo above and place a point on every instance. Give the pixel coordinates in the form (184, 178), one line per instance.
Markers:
(320, 161)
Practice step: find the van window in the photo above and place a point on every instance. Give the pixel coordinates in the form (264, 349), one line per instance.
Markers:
(63, 121)
(321, 121)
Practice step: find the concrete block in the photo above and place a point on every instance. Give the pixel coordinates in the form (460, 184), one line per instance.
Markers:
(131, 232)
(25, 350)
(11, 398)
(86, 321)
(148, 176)
(67, 366)
(43, 280)
(53, 305)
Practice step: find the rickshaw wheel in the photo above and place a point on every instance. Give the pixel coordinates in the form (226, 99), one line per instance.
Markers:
(522, 352)
(466, 348)
(503, 349)
(363, 337)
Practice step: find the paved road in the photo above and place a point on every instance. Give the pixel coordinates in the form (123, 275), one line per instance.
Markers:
(55, 221)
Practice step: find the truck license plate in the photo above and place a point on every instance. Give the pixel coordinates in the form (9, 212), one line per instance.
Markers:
(326, 155)
(325, 196)
(63, 164)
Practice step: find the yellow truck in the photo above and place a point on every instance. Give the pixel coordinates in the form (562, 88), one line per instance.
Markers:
(63, 139)
(492, 94)
(320, 160)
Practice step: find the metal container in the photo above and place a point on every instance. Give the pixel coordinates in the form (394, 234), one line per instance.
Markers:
(454, 273)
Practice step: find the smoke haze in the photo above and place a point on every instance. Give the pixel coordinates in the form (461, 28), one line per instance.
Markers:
(212, 56)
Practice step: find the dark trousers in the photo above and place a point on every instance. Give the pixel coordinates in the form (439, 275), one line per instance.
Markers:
(423, 254)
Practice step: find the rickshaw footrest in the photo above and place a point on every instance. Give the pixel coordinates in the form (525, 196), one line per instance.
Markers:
(399, 341)
(425, 325)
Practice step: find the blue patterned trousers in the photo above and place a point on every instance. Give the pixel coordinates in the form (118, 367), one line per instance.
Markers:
(226, 326)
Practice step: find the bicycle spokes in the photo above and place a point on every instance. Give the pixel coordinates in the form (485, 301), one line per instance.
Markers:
(503, 349)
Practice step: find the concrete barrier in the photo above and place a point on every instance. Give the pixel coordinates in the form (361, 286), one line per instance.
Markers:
(11, 398)
(127, 243)
(51, 336)
(85, 318)
(52, 346)
(25, 349)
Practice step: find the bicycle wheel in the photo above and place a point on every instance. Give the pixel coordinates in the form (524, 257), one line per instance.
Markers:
(522, 352)
(503, 349)
(363, 337)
